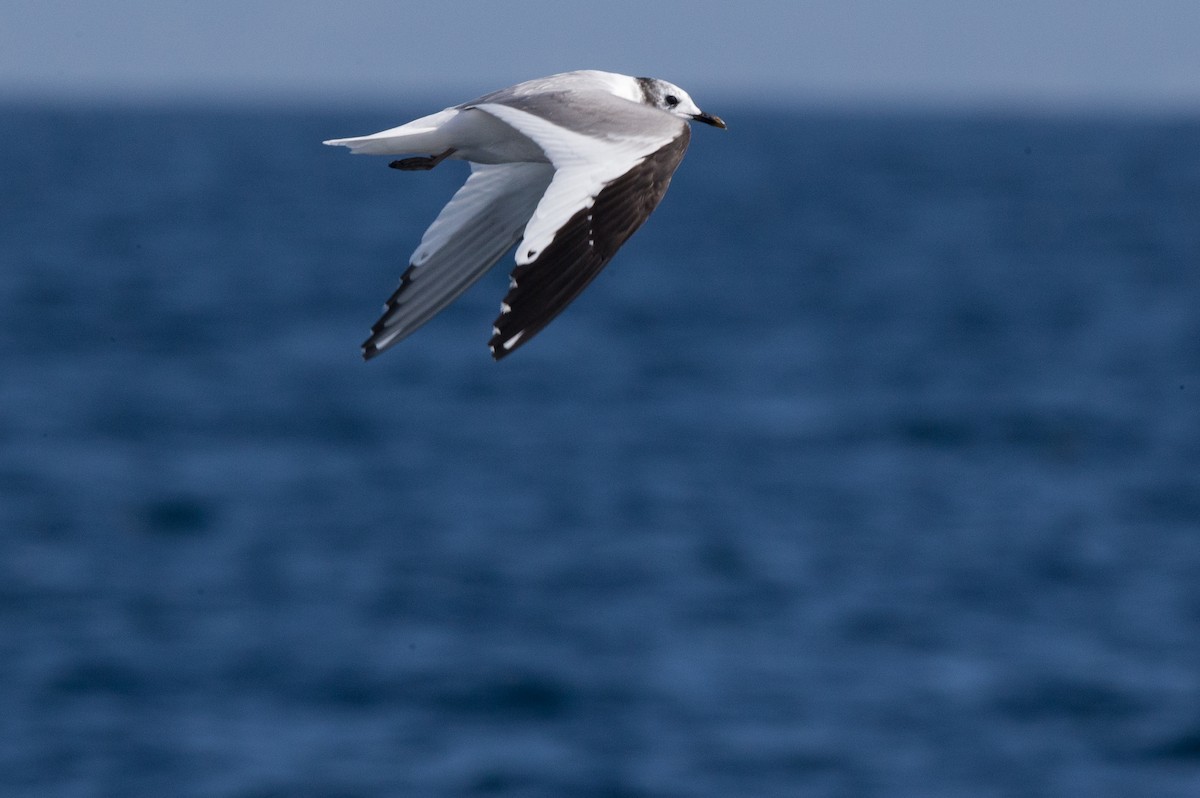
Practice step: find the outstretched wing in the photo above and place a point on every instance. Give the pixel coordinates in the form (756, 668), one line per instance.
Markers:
(479, 224)
(607, 182)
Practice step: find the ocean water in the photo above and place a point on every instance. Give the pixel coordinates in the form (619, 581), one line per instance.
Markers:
(870, 467)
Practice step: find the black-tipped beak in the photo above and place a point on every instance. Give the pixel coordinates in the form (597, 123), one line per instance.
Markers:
(709, 119)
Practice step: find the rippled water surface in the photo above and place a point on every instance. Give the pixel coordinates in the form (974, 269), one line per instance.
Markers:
(871, 466)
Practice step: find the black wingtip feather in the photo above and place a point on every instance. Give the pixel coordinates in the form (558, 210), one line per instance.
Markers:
(583, 247)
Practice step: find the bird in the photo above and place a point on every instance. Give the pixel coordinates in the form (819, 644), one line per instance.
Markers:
(568, 165)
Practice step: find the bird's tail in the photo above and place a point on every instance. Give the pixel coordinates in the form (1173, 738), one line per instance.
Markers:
(420, 135)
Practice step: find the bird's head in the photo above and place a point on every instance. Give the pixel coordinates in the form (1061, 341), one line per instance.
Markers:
(674, 100)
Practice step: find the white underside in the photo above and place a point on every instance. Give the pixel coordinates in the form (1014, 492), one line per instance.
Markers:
(479, 224)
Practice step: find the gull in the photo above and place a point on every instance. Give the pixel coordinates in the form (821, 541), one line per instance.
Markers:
(569, 165)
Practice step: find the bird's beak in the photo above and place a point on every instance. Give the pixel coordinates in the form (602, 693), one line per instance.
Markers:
(709, 119)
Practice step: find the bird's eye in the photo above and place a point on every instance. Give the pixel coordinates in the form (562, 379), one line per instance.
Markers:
(671, 100)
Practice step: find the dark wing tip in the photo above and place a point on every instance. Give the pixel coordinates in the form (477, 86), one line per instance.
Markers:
(370, 347)
(502, 347)
(584, 245)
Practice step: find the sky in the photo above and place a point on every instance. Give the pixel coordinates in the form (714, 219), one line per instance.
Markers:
(1050, 53)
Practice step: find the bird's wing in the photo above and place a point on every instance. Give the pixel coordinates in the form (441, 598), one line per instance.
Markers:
(608, 179)
(479, 224)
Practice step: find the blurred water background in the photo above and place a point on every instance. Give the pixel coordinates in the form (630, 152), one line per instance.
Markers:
(870, 467)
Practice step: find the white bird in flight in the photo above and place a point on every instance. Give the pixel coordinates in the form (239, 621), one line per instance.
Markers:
(570, 165)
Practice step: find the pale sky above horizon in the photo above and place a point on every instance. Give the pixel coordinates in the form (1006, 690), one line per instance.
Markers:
(1044, 52)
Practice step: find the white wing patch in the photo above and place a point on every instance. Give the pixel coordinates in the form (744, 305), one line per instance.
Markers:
(584, 165)
(471, 233)
(503, 191)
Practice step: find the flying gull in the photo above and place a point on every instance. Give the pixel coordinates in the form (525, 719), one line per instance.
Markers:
(570, 165)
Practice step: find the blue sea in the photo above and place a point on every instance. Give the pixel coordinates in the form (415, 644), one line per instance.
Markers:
(869, 467)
